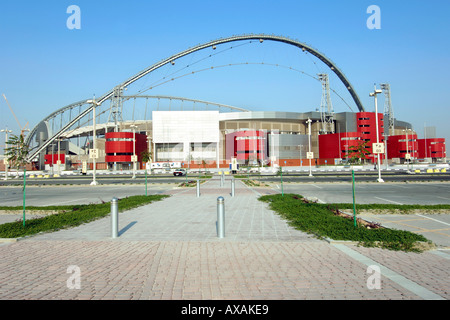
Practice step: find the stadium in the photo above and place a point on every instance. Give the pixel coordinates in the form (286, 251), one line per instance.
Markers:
(192, 133)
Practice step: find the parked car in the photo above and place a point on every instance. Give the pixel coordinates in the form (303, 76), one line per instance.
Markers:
(179, 172)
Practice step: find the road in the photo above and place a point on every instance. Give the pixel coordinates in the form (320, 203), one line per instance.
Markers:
(86, 194)
(327, 188)
(330, 176)
(373, 192)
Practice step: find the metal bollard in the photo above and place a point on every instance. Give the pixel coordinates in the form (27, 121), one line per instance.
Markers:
(198, 188)
(232, 187)
(220, 217)
(114, 217)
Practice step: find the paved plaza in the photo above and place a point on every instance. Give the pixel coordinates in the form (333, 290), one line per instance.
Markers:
(170, 250)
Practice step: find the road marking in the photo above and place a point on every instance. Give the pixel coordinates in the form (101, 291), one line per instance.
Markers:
(443, 198)
(395, 277)
(441, 254)
(434, 231)
(388, 200)
(317, 186)
(448, 224)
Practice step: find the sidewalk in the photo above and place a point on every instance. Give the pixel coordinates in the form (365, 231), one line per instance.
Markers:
(170, 250)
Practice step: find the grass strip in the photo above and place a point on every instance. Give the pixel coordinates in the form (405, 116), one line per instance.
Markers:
(394, 208)
(70, 216)
(317, 219)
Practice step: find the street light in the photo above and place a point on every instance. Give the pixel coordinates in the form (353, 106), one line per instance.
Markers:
(300, 160)
(134, 151)
(374, 94)
(309, 143)
(95, 151)
(6, 131)
(408, 155)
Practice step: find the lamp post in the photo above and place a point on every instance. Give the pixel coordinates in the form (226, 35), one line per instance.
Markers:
(59, 157)
(6, 131)
(408, 155)
(95, 151)
(385, 148)
(134, 151)
(309, 144)
(374, 94)
(429, 152)
(300, 160)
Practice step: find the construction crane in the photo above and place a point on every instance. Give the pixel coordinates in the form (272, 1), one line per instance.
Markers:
(388, 110)
(326, 108)
(22, 129)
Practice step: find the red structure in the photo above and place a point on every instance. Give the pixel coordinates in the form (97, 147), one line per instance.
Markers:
(431, 148)
(366, 127)
(337, 145)
(246, 145)
(53, 158)
(400, 145)
(119, 146)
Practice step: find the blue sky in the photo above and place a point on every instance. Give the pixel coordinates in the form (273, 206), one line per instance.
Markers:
(45, 66)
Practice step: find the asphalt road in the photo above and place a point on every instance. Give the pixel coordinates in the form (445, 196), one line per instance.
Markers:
(119, 179)
(373, 192)
(86, 194)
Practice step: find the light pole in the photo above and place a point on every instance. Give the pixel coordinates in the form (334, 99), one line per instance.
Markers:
(408, 155)
(6, 131)
(309, 143)
(374, 94)
(300, 160)
(59, 157)
(385, 149)
(134, 151)
(95, 151)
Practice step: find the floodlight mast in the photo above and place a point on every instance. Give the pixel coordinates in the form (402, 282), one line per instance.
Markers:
(95, 152)
(374, 94)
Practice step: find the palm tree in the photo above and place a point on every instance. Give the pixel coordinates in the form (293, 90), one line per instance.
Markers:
(17, 154)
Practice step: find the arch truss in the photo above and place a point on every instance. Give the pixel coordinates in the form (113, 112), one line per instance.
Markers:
(88, 107)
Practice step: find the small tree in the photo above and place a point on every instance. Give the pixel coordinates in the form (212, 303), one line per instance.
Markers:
(16, 153)
(204, 165)
(146, 156)
(359, 152)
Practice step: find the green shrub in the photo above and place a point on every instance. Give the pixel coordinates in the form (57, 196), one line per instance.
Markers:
(317, 219)
(70, 216)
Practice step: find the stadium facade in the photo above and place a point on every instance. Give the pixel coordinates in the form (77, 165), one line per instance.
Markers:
(211, 139)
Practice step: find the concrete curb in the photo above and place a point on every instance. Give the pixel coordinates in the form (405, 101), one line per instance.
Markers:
(8, 240)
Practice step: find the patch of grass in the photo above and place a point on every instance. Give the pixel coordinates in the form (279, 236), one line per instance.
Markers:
(253, 183)
(191, 183)
(317, 219)
(70, 217)
(394, 208)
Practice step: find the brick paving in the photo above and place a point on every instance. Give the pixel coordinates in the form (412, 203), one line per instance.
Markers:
(169, 250)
